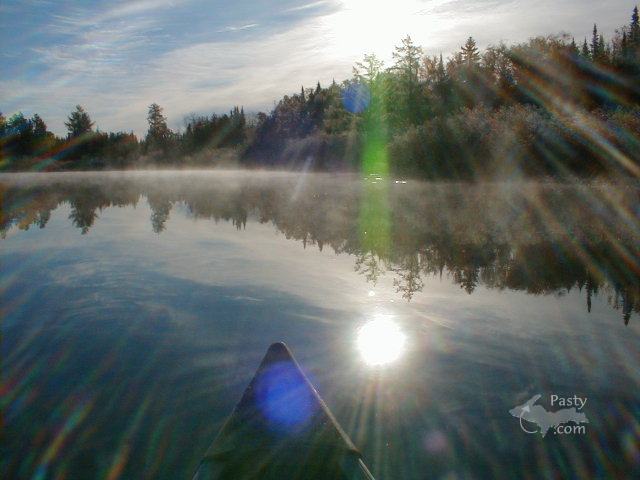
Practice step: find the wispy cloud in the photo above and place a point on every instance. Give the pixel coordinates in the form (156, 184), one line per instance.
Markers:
(127, 7)
(86, 17)
(235, 29)
(464, 8)
(308, 6)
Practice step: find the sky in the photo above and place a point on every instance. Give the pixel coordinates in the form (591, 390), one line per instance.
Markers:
(195, 56)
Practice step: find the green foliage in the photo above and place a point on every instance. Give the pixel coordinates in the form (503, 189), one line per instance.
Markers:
(368, 70)
(214, 132)
(518, 141)
(405, 103)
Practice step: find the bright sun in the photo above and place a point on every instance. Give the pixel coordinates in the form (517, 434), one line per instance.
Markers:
(365, 26)
(380, 341)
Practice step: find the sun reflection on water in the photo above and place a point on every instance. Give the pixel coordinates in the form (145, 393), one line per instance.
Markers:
(380, 341)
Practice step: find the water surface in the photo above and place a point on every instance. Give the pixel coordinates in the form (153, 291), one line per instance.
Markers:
(137, 306)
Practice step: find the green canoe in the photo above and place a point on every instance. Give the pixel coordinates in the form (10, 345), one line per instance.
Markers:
(281, 429)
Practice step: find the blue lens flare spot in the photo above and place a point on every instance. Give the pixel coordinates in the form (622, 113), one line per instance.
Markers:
(284, 397)
(356, 98)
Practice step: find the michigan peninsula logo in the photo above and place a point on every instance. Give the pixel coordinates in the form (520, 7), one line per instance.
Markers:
(537, 419)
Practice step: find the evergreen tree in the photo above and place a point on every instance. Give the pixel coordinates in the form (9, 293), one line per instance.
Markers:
(442, 88)
(469, 86)
(159, 137)
(634, 30)
(470, 53)
(404, 100)
(585, 49)
(39, 127)
(238, 123)
(41, 139)
(407, 60)
(368, 69)
(158, 131)
(634, 37)
(78, 123)
(598, 52)
(573, 48)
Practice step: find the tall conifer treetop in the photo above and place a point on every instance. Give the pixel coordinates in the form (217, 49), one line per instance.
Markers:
(470, 52)
(78, 123)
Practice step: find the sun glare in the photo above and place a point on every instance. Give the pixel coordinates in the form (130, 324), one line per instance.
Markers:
(380, 341)
(362, 26)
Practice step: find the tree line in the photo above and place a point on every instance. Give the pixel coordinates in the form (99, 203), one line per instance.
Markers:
(548, 106)
(27, 144)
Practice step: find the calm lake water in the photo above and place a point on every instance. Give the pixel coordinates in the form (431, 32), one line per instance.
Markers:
(136, 308)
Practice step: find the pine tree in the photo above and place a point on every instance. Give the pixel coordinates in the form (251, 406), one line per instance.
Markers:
(407, 59)
(573, 48)
(624, 47)
(158, 134)
(39, 127)
(585, 50)
(634, 37)
(595, 43)
(78, 122)
(470, 53)
(368, 69)
(158, 129)
(407, 96)
(634, 30)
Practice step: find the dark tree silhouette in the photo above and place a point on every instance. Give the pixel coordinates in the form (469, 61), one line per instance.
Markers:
(158, 132)
(39, 127)
(586, 53)
(470, 53)
(78, 123)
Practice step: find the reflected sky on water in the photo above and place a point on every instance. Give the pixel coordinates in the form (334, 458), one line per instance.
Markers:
(136, 308)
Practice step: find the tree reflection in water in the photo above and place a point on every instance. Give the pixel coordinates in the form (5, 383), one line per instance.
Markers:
(540, 238)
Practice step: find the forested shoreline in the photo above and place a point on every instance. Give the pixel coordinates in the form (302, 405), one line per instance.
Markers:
(552, 106)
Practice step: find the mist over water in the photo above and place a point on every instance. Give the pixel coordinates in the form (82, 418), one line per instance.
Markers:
(136, 307)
